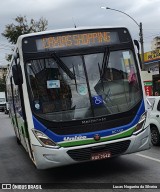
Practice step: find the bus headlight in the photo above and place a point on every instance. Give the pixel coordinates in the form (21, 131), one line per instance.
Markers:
(44, 139)
(140, 125)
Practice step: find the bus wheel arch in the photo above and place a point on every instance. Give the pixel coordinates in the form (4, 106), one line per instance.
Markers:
(18, 141)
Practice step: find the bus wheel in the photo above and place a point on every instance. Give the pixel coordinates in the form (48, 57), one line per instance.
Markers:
(155, 136)
(18, 141)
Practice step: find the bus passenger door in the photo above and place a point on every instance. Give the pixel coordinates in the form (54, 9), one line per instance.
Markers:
(17, 118)
(13, 114)
(21, 119)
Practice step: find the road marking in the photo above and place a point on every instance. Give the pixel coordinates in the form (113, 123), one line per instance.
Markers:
(147, 157)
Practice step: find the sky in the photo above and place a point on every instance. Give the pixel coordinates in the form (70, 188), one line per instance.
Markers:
(67, 13)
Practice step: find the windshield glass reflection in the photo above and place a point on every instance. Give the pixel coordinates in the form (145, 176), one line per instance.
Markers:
(104, 84)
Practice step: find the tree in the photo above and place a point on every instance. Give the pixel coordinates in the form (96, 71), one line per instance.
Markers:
(22, 26)
(13, 31)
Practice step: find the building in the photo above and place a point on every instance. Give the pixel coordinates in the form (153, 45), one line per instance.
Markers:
(155, 44)
(3, 71)
(152, 64)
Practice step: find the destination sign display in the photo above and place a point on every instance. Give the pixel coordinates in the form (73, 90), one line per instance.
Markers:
(76, 40)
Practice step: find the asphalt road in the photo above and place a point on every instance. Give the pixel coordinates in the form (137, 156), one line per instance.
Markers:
(16, 167)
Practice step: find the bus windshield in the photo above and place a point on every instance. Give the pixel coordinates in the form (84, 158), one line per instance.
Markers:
(104, 83)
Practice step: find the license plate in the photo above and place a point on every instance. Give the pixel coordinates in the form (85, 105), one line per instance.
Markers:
(100, 155)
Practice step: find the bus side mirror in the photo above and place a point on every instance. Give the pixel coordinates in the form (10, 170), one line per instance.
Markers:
(17, 74)
(137, 44)
(138, 48)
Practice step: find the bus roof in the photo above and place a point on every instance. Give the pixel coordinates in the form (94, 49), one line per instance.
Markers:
(67, 30)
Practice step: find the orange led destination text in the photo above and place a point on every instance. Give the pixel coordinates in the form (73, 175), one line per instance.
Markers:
(76, 40)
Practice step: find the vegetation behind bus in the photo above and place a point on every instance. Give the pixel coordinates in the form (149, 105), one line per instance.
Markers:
(22, 26)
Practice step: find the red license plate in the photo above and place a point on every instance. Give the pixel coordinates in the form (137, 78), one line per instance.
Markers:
(100, 155)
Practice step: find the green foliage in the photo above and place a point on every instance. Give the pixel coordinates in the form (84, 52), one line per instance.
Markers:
(22, 26)
(9, 57)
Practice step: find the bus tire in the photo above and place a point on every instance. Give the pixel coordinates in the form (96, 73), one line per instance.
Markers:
(18, 141)
(155, 136)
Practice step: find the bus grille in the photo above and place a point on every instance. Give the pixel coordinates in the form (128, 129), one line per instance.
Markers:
(85, 153)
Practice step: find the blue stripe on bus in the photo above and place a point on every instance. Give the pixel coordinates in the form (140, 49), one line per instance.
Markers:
(58, 138)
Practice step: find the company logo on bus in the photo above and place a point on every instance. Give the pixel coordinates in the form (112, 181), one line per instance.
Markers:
(74, 138)
(97, 137)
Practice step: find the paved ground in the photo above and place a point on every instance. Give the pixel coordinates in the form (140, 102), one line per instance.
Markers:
(16, 167)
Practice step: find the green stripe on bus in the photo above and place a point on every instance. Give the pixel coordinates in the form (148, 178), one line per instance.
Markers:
(103, 139)
(21, 126)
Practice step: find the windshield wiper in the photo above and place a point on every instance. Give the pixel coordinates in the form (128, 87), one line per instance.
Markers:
(88, 85)
(105, 62)
(62, 65)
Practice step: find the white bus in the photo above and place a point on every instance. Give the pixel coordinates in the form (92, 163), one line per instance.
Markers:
(76, 95)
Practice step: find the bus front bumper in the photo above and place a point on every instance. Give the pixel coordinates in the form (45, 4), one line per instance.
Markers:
(48, 157)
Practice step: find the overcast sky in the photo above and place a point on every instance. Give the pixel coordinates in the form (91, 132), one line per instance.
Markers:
(64, 13)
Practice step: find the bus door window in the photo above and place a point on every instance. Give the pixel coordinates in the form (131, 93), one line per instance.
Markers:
(13, 108)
